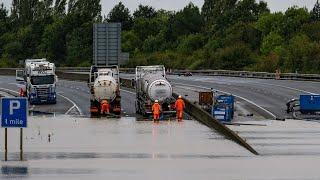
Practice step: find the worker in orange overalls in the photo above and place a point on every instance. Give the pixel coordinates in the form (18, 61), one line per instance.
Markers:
(21, 92)
(105, 107)
(156, 109)
(180, 105)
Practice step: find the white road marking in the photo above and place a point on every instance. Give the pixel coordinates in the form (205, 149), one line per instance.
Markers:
(204, 79)
(4, 89)
(286, 87)
(74, 105)
(270, 113)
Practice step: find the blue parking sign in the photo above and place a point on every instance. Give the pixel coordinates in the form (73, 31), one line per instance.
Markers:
(14, 112)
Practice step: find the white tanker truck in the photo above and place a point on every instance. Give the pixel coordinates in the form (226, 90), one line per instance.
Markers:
(151, 85)
(104, 85)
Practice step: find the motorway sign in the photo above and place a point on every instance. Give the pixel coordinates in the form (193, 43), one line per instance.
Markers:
(14, 112)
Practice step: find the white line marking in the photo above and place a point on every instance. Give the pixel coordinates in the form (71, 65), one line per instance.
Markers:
(74, 105)
(270, 113)
(4, 89)
(286, 87)
(70, 110)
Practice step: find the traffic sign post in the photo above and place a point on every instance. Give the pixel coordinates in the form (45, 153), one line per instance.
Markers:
(14, 115)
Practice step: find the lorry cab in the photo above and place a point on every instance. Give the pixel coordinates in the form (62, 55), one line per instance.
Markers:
(40, 81)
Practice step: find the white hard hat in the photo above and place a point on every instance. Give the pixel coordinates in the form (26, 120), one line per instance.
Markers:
(156, 101)
(179, 96)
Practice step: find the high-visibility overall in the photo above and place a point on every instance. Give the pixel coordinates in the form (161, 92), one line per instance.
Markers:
(180, 105)
(156, 108)
(21, 93)
(105, 107)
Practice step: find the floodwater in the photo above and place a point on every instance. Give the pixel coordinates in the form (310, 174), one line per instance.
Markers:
(65, 146)
(83, 148)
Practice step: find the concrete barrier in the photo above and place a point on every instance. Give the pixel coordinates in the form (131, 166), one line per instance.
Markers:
(8, 71)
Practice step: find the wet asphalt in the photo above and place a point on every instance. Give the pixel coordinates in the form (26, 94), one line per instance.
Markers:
(81, 148)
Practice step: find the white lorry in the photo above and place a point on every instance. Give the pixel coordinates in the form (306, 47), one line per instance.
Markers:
(151, 85)
(104, 84)
(40, 81)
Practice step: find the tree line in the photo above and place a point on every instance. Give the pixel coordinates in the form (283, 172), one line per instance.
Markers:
(222, 34)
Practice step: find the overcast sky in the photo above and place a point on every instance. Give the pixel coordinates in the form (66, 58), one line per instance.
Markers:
(274, 5)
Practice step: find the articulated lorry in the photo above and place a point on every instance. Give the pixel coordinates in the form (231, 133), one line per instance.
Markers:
(104, 85)
(151, 85)
(40, 81)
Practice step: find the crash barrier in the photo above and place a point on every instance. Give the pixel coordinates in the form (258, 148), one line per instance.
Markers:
(248, 74)
(242, 74)
(206, 119)
(8, 71)
(228, 73)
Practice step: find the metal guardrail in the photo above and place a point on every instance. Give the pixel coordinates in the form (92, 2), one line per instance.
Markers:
(249, 74)
(227, 73)
(242, 74)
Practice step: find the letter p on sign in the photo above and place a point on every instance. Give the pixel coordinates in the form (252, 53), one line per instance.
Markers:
(14, 112)
(14, 105)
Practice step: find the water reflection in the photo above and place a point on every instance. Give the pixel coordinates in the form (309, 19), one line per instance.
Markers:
(14, 170)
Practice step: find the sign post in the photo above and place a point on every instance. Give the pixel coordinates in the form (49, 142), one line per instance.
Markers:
(14, 115)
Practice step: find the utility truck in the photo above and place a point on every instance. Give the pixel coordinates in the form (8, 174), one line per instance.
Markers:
(104, 85)
(40, 81)
(151, 85)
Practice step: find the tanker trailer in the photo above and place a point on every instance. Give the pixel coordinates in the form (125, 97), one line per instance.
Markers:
(104, 86)
(151, 85)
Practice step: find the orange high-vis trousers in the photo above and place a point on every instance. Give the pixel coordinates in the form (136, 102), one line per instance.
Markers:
(180, 114)
(156, 116)
(105, 108)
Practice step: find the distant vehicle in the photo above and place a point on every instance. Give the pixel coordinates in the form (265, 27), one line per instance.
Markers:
(188, 74)
(185, 74)
(40, 81)
(151, 85)
(104, 85)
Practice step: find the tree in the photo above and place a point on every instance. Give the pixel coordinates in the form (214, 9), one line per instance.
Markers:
(212, 9)
(294, 19)
(121, 14)
(312, 30)
(191, 43)
(4, 24)
(60, 8)
(145, 12)
(271, 42)
(3, 20)
(245, 33)
(27, 11)
(315, 13)
(299, 48)
(130, 41)
(187, 21)
(53, 42)
(249, 10)
(235, 57)
(268, 23)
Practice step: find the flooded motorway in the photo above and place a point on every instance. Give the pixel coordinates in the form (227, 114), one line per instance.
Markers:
(61, 146)
(112, 147)
(82, 148)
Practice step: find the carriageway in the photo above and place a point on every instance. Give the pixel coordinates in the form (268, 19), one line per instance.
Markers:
(117, 147)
